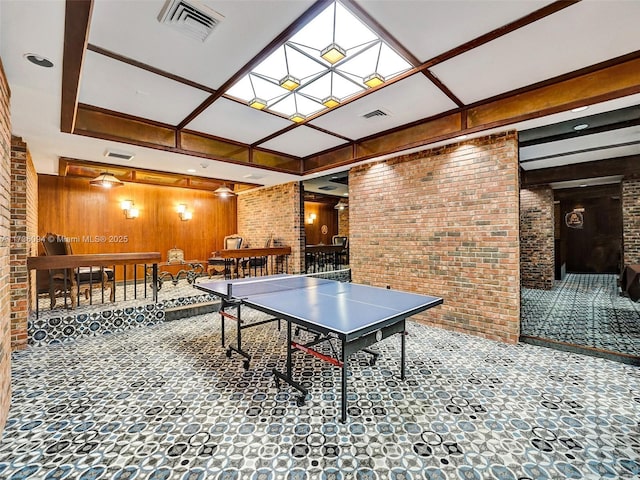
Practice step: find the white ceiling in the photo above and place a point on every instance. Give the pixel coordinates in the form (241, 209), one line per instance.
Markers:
(573, 38)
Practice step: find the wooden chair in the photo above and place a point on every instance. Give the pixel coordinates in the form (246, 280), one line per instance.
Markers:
(67, 282)
(175, 255)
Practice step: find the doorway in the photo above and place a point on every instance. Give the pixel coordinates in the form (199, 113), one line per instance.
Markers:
(584, 310)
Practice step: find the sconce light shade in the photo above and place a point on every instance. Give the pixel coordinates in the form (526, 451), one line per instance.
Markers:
(223, 191)
(106, 180)
(133, 212)
(129, 209)
(183, 213)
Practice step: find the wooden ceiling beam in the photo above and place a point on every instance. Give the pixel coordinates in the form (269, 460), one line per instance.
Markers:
(626, 166)
(607, 81)
(76, 37)
(109, 125)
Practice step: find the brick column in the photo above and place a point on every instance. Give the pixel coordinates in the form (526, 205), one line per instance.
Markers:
(274, 210)
(20, 245)
(444, 222)
(343, 221)
(5, 234)
(631, 220)
(536, 237)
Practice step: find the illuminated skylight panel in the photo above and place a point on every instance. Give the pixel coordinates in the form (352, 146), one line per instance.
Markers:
(353, 55)
(296, 103)
(341, 88)
(391, 64)
(299, 65)
(350, 31)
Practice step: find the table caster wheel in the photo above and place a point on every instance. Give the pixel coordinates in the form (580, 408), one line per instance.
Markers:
(228, 353)
(300, 401)
(277, 382)
(372, 362)
(245, 364)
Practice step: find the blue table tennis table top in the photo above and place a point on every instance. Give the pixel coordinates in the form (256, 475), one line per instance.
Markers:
(341, 307)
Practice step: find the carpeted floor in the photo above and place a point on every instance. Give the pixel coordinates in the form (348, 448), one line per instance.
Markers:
(164, 402)
(585, 310)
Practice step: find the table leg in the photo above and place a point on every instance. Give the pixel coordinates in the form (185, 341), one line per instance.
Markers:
(402, 350)
(343, 413)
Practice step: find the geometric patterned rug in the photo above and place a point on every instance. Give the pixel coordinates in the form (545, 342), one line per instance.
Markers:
(164, 402)
(586, 310)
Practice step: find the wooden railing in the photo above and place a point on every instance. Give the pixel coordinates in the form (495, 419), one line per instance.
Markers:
(69, 275)
(249, 261)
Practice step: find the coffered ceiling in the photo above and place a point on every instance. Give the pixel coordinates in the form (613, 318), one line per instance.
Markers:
(122, 79)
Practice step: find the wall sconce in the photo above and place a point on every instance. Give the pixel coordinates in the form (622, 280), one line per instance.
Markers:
(183, 213)
(129, 209)
(312, 218)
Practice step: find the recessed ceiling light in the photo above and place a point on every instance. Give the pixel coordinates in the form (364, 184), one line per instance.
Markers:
(191, 170)
(461, 137)
(38, 60)
(583, 184)
(582, 126)
(346, 194)
(579, 109)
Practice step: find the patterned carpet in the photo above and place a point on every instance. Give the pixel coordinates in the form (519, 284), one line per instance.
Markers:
(585, 310)
(164, 402)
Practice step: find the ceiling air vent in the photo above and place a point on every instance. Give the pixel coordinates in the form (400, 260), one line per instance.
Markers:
(375, 113)
(118, 155)
(327, 188)
(190, 17)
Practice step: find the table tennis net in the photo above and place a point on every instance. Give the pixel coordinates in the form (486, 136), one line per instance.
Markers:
(273, 285)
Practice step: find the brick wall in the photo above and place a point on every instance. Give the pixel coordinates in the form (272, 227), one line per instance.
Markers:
(343, 221)
(631, 220)
(5, 233)
(444, 222)
(537, 238)
(20, 244)
(274, 210)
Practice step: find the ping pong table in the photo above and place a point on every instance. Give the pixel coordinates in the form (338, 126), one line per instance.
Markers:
(357, 316)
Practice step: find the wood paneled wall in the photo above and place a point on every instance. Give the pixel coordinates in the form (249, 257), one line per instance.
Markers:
(325, 215)
(73, 208)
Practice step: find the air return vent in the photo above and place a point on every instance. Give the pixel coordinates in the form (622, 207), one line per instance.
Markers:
(118, 155)
(375, 113)
(327, 188)
(190, 17)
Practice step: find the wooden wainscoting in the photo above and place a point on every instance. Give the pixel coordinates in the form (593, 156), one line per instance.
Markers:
(92, 219)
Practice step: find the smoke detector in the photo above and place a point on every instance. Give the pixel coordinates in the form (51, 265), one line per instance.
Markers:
(190, 17)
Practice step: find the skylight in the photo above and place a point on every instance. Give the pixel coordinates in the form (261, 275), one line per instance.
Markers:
(332, 58)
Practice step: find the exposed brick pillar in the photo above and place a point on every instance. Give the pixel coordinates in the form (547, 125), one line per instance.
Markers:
(20, 244)
(537, 237)
(444, 222)
(343, 221)
(631, 220)
(5, 234)
(274, 210)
